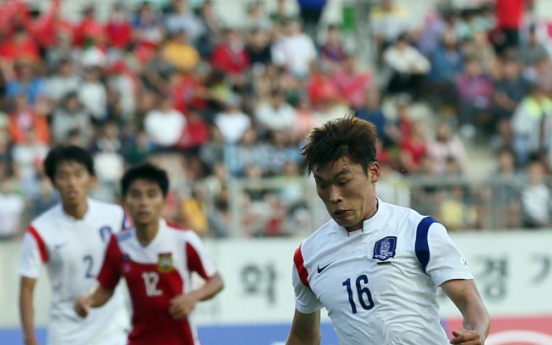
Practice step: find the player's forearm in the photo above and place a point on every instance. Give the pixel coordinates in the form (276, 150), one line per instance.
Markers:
(212, 287)
(294, 339)
(476, 318)
(26, 309)
(100, 296)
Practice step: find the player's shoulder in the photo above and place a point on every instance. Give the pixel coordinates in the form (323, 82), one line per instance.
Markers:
(402, 217)
(180, 231)
(47, 220)
(105, 208)
(124, 235)
(323, 236)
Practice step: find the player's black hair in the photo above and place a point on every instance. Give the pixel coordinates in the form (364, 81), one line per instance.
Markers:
(347, 136)
(67, 153)
(146, 171)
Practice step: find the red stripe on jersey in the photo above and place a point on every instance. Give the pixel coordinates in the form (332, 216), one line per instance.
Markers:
(303, 273)
(194, 262)
(39, 242)
(188, 335)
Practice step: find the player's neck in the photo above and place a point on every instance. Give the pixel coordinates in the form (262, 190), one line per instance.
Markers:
(146, 232)
(76, 211)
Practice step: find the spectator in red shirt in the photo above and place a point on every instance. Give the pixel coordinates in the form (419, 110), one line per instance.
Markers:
(196, 133)
(88, 28)
(13, 14)
(509, 18)
(231, 57)
(48, 27)
(119, 29)
(351, 82)
(20, 47)
(25, 118)
(414, 149)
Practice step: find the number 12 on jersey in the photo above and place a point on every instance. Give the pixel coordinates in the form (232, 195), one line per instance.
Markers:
(362, 291)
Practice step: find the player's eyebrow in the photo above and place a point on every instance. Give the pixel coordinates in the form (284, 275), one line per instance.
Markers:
(337, 175)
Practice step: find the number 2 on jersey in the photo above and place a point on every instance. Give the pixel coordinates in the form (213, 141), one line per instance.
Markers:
(89, 261)
(363, 293)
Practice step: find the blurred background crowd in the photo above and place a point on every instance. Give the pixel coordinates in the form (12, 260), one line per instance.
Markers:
(462, 105)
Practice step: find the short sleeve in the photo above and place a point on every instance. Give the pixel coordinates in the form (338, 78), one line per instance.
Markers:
(110, 273)
(446, 262)
(197, 257)
(30, 260)
(305, 300)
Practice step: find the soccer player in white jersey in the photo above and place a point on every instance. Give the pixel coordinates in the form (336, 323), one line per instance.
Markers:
(375, 266)
(156, 259)
(70, 239)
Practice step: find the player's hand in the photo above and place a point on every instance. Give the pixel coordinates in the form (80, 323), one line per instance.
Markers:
(82, 306)
(182, 306)
(466, 337)
(31, 341)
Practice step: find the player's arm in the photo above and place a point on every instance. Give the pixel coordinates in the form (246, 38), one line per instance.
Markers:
(449, 270)
(465, 295)
(33, 255)
(26, 308)
(305, 329)
(96, 299)
(183, 305)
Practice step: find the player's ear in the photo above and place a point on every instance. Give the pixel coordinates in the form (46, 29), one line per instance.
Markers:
(374, 172)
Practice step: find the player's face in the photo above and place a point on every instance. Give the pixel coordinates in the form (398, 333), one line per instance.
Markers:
(144, 202)
(73, 181)
(347, 191)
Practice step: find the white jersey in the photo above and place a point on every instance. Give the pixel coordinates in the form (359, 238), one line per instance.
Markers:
(379, 283)
(73, 251)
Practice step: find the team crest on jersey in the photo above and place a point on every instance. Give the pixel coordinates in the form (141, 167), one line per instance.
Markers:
(165, 262)
(105, 232)
(385, 248)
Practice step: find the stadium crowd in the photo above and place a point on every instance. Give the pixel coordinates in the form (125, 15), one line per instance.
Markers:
(169, 82)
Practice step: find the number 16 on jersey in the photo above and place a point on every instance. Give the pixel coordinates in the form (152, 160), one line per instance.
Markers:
(362, 292)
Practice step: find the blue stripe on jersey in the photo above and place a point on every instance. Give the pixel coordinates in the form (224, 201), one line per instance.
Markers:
(422, 246)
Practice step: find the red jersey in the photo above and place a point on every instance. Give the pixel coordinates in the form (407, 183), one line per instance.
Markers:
(155, 274)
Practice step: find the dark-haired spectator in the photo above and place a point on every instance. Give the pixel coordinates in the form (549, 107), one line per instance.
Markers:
(182, 18)
(475, 92)
(352, 82)
(165, 124)
(257, 19)
(447, 63)
(179, 52)
(532, 124)
(388, 21)
(70, 115)
(27, 82)
(414, 149)
(232, 122)
(93, 95)
(119, 29)
(407, 65)
(276, 113)
(446, 147)
(295, 50)
(149, 32)
(536, 198)
(24, 118)
(65, 81)
(231, 58)
(532, 51)
(258, 48)
(372, 111)
(88, 28)
(332, 49)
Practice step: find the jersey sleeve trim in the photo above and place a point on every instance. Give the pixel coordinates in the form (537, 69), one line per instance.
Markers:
(195, 263)
(301, 270)
(40, 243)
(421, 245)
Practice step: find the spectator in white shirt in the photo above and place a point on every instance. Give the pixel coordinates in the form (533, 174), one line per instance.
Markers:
(71, 116)
(182, 18)
(12, 206)
(232, 122)
(276, 114)
(93, 95)
(536, 198)
(295, 50)
(165, 124)
(65, 81)
(408, 66)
